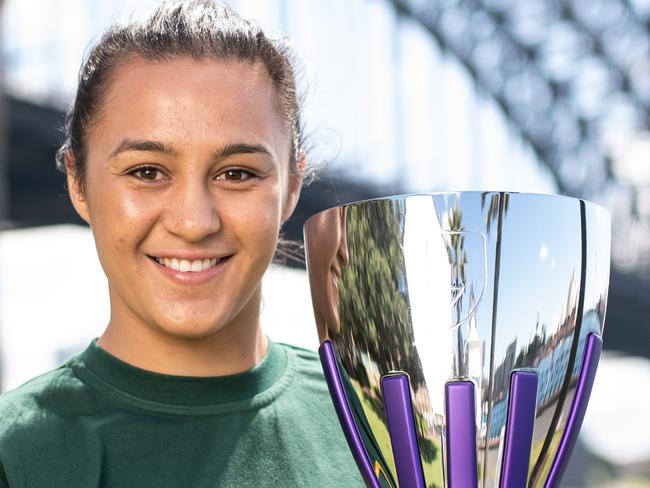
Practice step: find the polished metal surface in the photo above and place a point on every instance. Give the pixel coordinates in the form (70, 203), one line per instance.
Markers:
(454, 287)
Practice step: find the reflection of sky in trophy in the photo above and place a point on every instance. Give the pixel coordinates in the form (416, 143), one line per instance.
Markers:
(538, 281)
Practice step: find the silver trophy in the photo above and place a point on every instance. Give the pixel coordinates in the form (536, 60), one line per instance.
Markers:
(460, 332)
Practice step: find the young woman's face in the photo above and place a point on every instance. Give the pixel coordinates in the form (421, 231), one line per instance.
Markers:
(187, 183)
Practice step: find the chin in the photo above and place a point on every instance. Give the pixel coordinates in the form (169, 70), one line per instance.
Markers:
(190, 330)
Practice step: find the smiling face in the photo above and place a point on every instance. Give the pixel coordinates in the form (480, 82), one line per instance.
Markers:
(186, 185)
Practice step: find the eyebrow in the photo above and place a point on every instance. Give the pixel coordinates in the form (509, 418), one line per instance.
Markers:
(221, 153)
(240, 148)
(133, 145)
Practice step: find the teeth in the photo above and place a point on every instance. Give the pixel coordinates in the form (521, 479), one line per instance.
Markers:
(185, 265)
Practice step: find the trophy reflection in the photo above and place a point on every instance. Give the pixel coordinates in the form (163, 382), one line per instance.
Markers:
(460, 332)
(329, 260)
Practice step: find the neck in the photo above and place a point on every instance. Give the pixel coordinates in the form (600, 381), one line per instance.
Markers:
(232, 349)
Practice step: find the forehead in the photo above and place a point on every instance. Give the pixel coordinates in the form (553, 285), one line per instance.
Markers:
(187, 99)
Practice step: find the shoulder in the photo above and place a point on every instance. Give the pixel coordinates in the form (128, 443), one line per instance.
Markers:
(28, 396)
(302, 354)
(39, 404)
(306, 362)
(309, 383)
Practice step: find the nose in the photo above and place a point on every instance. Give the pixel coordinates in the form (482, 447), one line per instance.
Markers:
(192, 212)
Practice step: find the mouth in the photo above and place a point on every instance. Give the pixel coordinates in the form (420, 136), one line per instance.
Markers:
(189, 266)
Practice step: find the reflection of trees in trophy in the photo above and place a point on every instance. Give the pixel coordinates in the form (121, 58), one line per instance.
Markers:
(373, 291)
(376, 334)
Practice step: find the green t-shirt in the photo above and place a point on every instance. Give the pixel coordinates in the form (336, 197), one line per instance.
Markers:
(97, 421)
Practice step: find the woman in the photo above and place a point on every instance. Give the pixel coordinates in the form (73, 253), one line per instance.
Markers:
(183, 153)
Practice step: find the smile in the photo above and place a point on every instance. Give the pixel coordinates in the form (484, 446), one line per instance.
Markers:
(187, 266)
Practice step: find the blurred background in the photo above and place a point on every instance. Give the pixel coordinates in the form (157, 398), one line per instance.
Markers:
(545, 96)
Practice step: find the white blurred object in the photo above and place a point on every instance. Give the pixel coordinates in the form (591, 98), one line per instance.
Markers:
(631, 158)
(616, 425)
(54, 300)
(287, 314)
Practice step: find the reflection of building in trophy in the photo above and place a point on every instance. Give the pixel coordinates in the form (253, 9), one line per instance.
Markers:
(551, 368)
(502, 373)
(498, 418)
(500, 391)
(548, 355)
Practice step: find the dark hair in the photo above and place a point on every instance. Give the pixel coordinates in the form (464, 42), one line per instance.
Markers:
(200, 29)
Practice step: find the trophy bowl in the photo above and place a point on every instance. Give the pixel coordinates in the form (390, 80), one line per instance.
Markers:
(460, 332)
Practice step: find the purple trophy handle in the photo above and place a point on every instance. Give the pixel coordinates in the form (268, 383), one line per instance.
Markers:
(461, 425)
(578, 408)
(342, 407)
(396, 394)
(461, 434)
(519, 429)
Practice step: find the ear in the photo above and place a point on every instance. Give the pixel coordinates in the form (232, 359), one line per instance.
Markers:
(75, 191)
(294, 187)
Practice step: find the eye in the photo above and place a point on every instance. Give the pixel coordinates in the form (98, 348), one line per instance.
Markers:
(235, 175)
(147, 173)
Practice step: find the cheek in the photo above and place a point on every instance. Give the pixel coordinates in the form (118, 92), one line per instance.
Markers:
(256, 218)
(119, 221)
